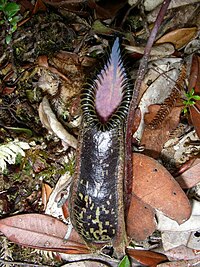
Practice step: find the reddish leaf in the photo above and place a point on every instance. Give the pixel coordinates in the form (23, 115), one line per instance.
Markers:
(147, 258)
(140, 220)
(155, 186)
(190, 177)
(40, 231)
(195, 116)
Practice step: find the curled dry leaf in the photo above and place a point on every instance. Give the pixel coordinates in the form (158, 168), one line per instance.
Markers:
(40, 231)
(57, 199)
(179, 38)
(49, 120)
(137, 228)
(155, 186)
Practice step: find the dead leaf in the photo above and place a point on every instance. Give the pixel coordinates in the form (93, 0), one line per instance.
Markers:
(50, 121)
(172, 240)
(108, 9)
(140, 220)
(179, 38)
(154, 139)
(46, 192)
(190, 177)
(39, 6)
(148, 258)
(182, 263)
(195, 116)
(155, 186)
(180, 253)
(40, 231)
(86, 263)
(161, 50)
(160, 86)
(192, 224)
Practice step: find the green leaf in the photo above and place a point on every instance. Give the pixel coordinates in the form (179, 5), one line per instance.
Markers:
(14, 20)
(2, 22)
(8, 38)
(196, 97)
(2, 4)
(185, 110)
(124, 262)
(11, 9)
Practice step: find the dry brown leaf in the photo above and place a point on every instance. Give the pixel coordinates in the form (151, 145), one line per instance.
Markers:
(180, 253)
(40, 231)
(107, 9)
(179, 38)
(86, 263)
(137, 228)
(183, 263)
(46, 192)
(50, 121)
(190, 177)
(161, 50)
(148, 258)
(193, 224)
(195, 116)
(155, 186)
(154, 139)
(153, 109)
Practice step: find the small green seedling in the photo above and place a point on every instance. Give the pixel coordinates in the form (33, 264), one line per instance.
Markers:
(9, 18)
(190, 100)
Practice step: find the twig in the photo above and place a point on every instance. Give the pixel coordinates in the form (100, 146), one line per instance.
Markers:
(133, 105)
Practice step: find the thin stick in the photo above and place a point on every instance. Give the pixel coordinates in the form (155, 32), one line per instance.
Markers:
(140, 76)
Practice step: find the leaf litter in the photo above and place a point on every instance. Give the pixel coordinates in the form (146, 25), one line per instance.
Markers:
(155, 196)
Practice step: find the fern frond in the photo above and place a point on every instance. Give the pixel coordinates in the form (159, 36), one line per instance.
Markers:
(170, 101)
(9, 152)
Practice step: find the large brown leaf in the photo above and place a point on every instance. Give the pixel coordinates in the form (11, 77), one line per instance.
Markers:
(140, 220)
(40, 231)
(155, 186)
